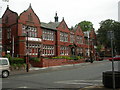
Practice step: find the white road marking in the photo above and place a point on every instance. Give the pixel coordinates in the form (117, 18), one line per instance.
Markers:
(84, 82)
(23, 87)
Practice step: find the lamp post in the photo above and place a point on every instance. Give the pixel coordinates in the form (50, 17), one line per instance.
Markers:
(27, 58)
(39, 52)
(95, 47)
(89, 49)
(88, 33)
(111, 36)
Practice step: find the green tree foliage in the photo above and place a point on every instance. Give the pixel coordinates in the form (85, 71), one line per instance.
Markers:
(102, 33)
(105, 26)
(117, 36)
(86, 25)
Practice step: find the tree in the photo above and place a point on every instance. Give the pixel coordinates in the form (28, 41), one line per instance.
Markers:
(86, 25)
(117, 36)
(105, 26)
(102, 35)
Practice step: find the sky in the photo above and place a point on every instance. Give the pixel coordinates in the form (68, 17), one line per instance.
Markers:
(73, 11)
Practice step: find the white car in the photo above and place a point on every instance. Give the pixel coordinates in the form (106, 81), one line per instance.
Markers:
(4, 67)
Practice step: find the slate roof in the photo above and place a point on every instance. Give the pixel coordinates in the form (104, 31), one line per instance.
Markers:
(73, 29)
(50, 25)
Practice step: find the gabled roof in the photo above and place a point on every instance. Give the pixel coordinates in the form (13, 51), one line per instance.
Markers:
(8, 9)
(50, 25)
(74, 29)
(29, 8)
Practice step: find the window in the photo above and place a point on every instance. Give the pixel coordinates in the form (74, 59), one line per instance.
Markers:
(30, 18)
(87, 52)
(64, 50)
(8, 33)
(80, 51)
(79, 40)
(63, 37)
(48, 35)
(32, 31)
(72, 38)
(63, 26)
(6, 19)
(48, 50)
(33, 48)
(3, 62)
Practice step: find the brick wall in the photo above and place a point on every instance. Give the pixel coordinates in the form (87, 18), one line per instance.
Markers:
(54, 62)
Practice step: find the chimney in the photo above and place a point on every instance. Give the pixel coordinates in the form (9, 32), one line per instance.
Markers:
(56, 17)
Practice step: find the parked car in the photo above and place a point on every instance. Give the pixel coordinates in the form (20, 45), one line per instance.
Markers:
(89, 60)
(116, 58)
(100, 58)
(4, 67)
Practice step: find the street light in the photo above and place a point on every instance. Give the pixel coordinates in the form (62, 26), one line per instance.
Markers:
(89, 49)
(27, 58)
(88, 33)
(111, 37)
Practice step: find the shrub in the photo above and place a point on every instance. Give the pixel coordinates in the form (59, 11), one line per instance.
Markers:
(8, 56)
(74, 58)
(61, 57)
(35, 59)
(68, 57)
(16, 60)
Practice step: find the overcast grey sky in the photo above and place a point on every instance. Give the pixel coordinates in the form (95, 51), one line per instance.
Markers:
(73, 11)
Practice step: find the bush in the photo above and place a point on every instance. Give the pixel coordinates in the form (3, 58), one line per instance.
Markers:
(74, 57)
(61, 57)
(8, 56)
(35, 59)
(68, 57)
(16, 60)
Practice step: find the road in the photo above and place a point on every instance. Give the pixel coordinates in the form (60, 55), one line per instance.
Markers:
(86, 75)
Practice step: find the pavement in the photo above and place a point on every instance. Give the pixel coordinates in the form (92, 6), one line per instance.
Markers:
(65, 67)
(48, 69)
(97, 88)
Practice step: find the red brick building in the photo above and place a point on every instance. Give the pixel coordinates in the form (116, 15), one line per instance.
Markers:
(0, 37)
(44, 39)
